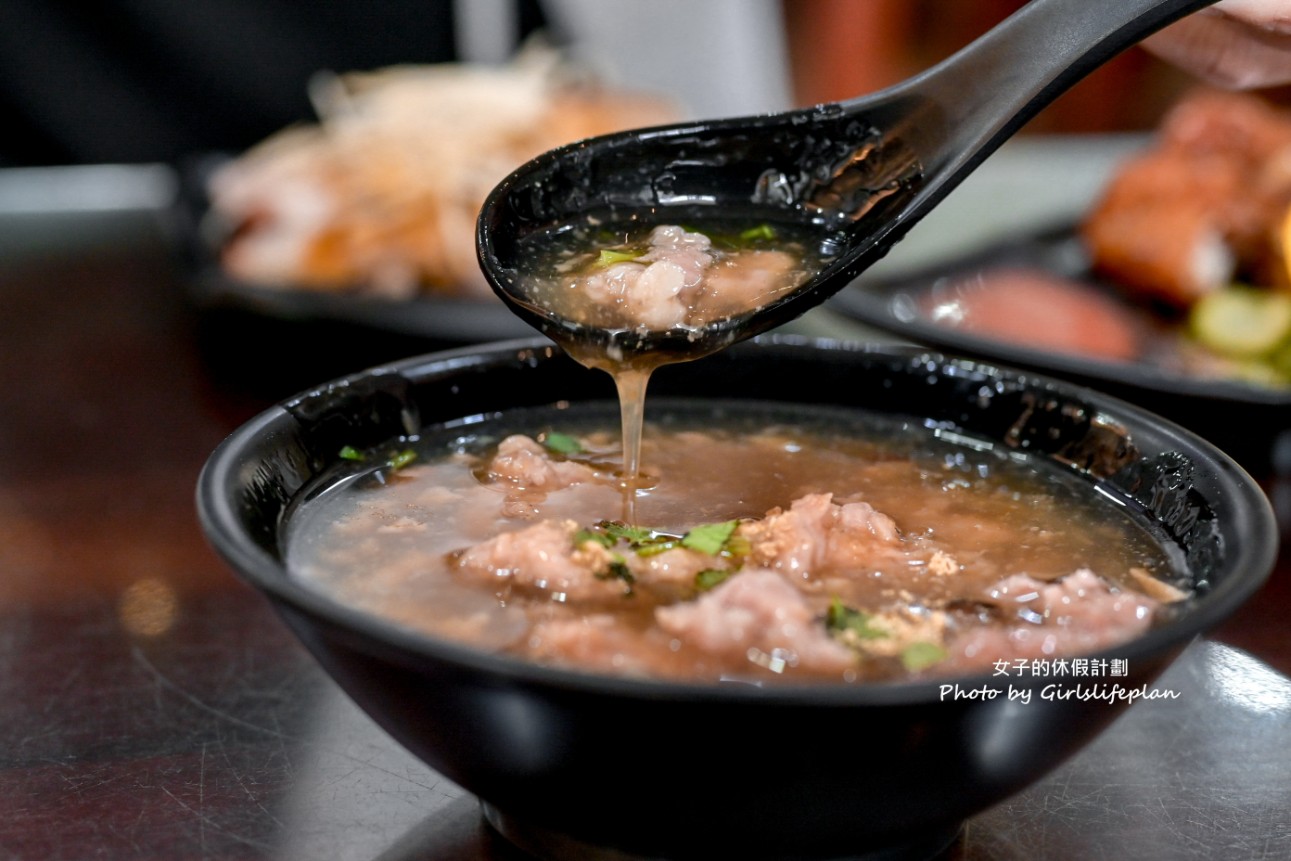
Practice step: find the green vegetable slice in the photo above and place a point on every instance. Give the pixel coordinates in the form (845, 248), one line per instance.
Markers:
(1242, 322)
(762, 231)
(1281, 362)
(400, 459)
(610, 256)
(561, 443)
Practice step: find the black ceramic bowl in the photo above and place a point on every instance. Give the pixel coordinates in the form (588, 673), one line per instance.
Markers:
(575, 765)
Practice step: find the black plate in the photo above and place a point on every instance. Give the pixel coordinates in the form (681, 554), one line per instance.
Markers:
(284, 339)
(1246, 420)
(459, 321)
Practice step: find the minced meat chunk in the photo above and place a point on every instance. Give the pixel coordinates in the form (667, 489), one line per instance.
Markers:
(526, 465)
(672, 569)
(527, 473)
(596, 641)
(759, 614)
(653, 288)
(545, 558)
(1076, 614)
(817, 534)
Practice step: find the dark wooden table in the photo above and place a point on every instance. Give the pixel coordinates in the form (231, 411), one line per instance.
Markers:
(152, 706)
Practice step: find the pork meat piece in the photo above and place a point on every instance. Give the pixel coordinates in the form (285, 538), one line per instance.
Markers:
(746, 280)
(526, 465)
(598, 641)
(672, 570)
(1077, 614)
(817, 535)
(758, 614)
(544, 558)
(654, 290)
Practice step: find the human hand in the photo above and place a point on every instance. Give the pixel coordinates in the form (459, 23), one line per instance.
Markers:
(1236, 44)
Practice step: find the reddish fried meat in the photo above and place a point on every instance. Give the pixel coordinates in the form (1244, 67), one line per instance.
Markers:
(1202, 206)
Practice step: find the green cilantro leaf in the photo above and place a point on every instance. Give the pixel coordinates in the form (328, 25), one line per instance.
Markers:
(844, 620)
(711, 577)
(920, 656)
(737, 545)
(618, 570)
(561, 443)
(631, 534)
(585, 535)
(709, 538)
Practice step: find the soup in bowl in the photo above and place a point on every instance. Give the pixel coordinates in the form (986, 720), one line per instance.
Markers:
(854, 595)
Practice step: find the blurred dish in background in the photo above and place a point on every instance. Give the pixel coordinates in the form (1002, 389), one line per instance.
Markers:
(379, 198)
(1180, 264)
(351, 242)
(1169, 286)
(1031, 302)
(1197, 227)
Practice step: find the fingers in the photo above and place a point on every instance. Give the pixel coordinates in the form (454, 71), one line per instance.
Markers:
(1239, 44)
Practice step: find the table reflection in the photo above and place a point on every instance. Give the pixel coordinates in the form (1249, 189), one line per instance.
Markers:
(1203, 775)
(1172, 778)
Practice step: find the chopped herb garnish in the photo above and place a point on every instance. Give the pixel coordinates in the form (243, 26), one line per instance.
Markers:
(349, 452)
(561, 443)
(709, 538)
(737, 545)
(762, 231)
(710, 577)
(845, 620)
(643, 540)
(658, 545)
(633, 535)
(585, 535)
(610, 256)
(400, 459)
(712, 539)
(920, 656)
(618, 570)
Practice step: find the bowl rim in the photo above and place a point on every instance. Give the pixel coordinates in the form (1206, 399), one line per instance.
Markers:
(1248, 565)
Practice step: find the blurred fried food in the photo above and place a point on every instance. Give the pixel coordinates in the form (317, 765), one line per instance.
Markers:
(1199, 225)
(1203, 206)
(381, 196)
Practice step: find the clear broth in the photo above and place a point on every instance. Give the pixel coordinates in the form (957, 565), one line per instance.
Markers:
(389, 541)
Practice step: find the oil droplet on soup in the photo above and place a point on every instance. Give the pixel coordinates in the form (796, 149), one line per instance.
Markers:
(860, 549)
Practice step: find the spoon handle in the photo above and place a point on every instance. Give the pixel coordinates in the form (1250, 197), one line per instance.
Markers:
(957, 112)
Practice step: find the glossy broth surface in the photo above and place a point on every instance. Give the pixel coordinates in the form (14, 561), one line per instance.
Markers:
(893, 551)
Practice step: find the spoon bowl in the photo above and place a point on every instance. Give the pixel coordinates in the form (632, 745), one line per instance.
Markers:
(854, 175)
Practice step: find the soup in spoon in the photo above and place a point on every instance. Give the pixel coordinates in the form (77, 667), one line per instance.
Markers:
(619, 285)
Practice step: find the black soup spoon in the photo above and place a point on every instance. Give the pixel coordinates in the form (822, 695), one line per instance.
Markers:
(854, 175)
